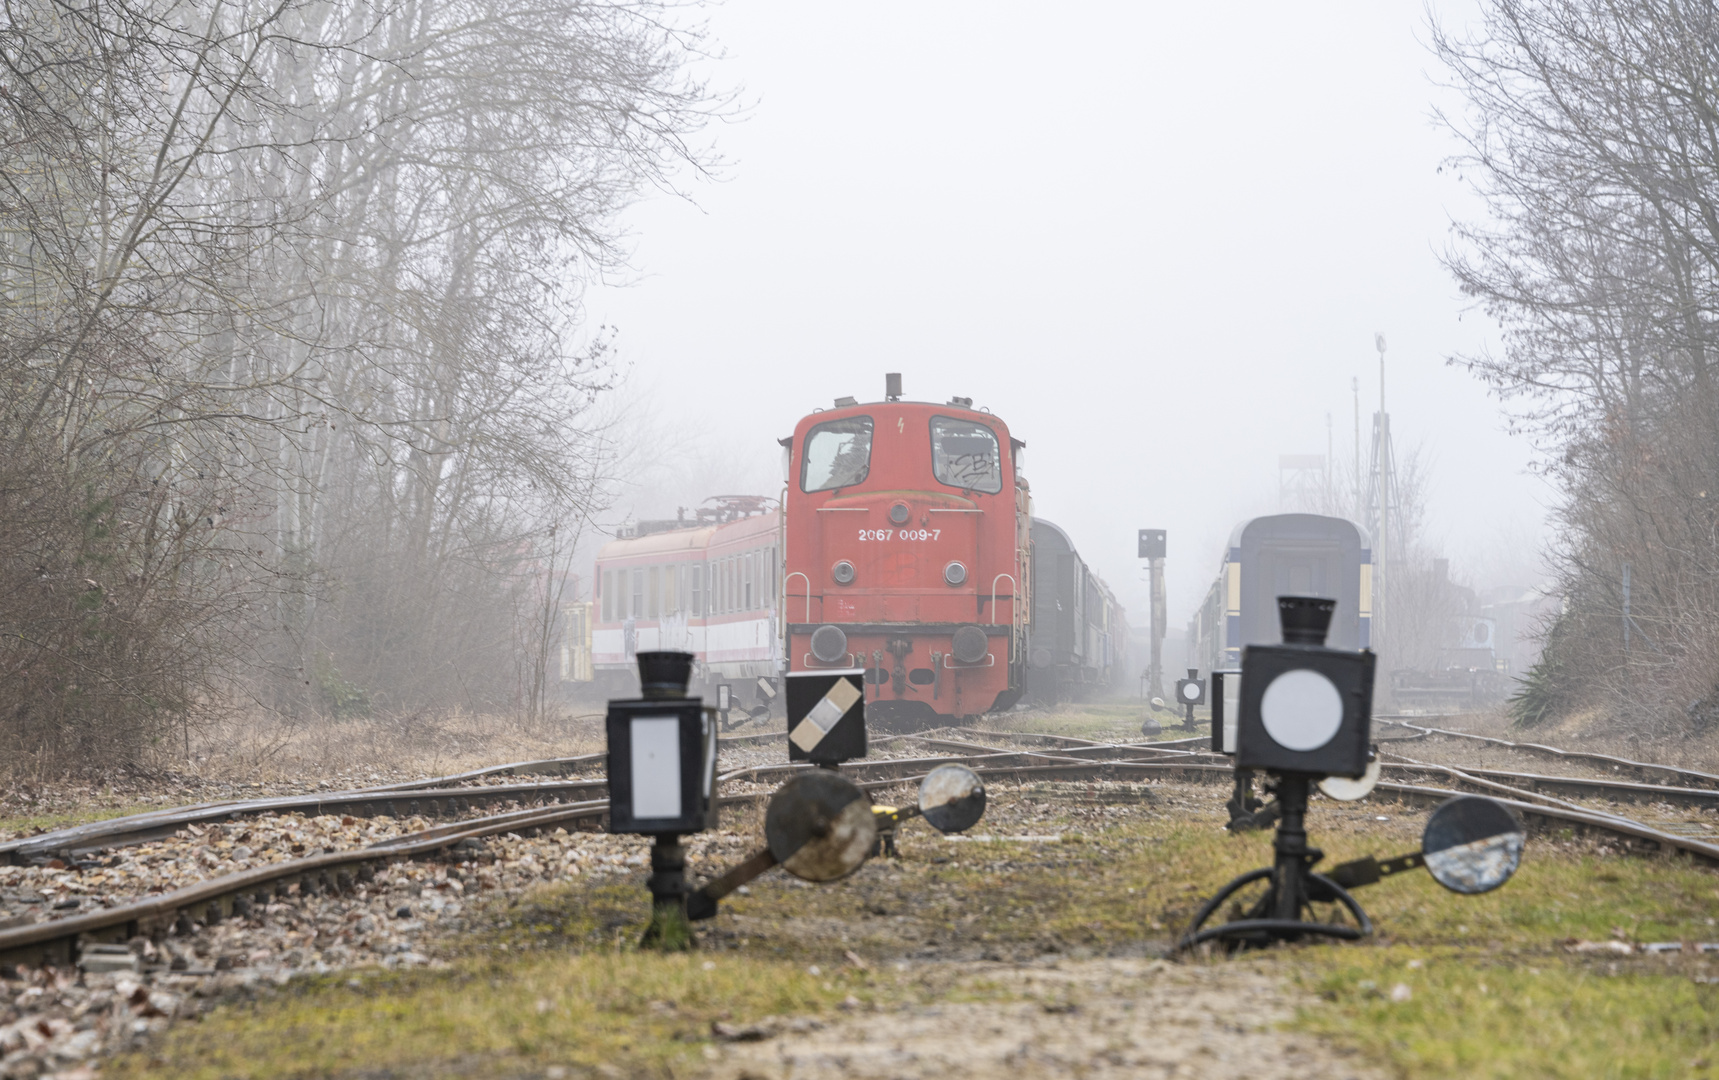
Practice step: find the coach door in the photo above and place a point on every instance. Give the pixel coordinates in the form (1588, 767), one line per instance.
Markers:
(1309, 570)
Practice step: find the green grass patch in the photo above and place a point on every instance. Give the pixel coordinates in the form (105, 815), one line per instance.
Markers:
(494, 1018)
(1466, 1015)
(29, 824)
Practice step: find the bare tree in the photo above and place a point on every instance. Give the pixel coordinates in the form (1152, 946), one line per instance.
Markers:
(288, 298)
(1591, 135)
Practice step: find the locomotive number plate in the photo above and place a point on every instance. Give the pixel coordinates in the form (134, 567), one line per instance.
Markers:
(899, 534)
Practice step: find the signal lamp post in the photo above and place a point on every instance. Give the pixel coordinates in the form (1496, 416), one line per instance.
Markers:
(1152, 546)
(1304, 716)
(1191, 691)
(662, 772)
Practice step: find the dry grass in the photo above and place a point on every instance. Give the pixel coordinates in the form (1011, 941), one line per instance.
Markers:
(416, 744)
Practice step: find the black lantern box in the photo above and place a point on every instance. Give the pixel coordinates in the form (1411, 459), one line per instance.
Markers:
(1304, 708)
(662, 753)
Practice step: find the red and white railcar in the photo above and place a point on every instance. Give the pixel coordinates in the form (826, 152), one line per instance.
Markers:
(709, 586)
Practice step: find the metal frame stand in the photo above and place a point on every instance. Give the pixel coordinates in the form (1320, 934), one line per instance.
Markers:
(1279, 914)
(669, 929)
(1246, 808)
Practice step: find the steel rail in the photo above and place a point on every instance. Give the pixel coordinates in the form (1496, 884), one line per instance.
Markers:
(1493, 786)
(209, 901)
(1705, 798)
(1076, 753)
(57, 940)
(74, 840)
(1567, 755)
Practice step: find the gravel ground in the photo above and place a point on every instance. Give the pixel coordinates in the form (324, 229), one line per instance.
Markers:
(61, 1022)
(1133, 1017)
(1095, 1019)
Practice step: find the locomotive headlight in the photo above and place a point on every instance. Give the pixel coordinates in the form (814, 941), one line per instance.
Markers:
(955, 574)
(843, 573)
(899, 513)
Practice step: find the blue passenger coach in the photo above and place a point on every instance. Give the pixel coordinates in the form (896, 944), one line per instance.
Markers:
(1284, 555)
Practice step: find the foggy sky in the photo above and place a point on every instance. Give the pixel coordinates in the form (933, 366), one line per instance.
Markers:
(1156, 240)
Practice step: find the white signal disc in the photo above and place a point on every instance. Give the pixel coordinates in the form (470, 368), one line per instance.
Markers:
(1348, 790)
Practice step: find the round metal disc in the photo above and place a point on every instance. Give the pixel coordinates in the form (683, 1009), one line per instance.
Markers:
(819, 826)
(952, 798)
(1472, 844)
(1349, 789)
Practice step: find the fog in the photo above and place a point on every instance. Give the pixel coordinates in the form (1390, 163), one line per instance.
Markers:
(1157, 240)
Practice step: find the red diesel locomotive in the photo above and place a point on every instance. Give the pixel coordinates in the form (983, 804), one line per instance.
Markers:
(908, 533)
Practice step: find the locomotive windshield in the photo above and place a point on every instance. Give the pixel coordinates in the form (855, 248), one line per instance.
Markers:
(838, 454)
(965, 455)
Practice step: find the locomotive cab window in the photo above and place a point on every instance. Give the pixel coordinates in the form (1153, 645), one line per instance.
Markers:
(837, 454)
(965, 455)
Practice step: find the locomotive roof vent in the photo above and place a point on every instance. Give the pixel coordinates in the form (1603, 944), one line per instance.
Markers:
(892, 386)
(846, 400)
(964, 402)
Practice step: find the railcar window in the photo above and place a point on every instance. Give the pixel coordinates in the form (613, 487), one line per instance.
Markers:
(965, 455)
(670, 593)
(638, 593)
(698, 590)
(746, 585)
(653, 593)
(837, 454)
(608, 596)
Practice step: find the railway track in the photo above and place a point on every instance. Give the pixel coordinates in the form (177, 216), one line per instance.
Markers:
(442, 796)
(240, 894)
(1616, 764)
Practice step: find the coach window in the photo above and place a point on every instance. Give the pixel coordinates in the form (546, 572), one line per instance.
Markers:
(608, 580)
(746, 582)
(965, 455)
(696, 572)
(638, 608)
(837, 454)
(670, 594)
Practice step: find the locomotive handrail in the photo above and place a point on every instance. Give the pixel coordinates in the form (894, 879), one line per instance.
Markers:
(1013, 585)
(808, 581)
(954, 510)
